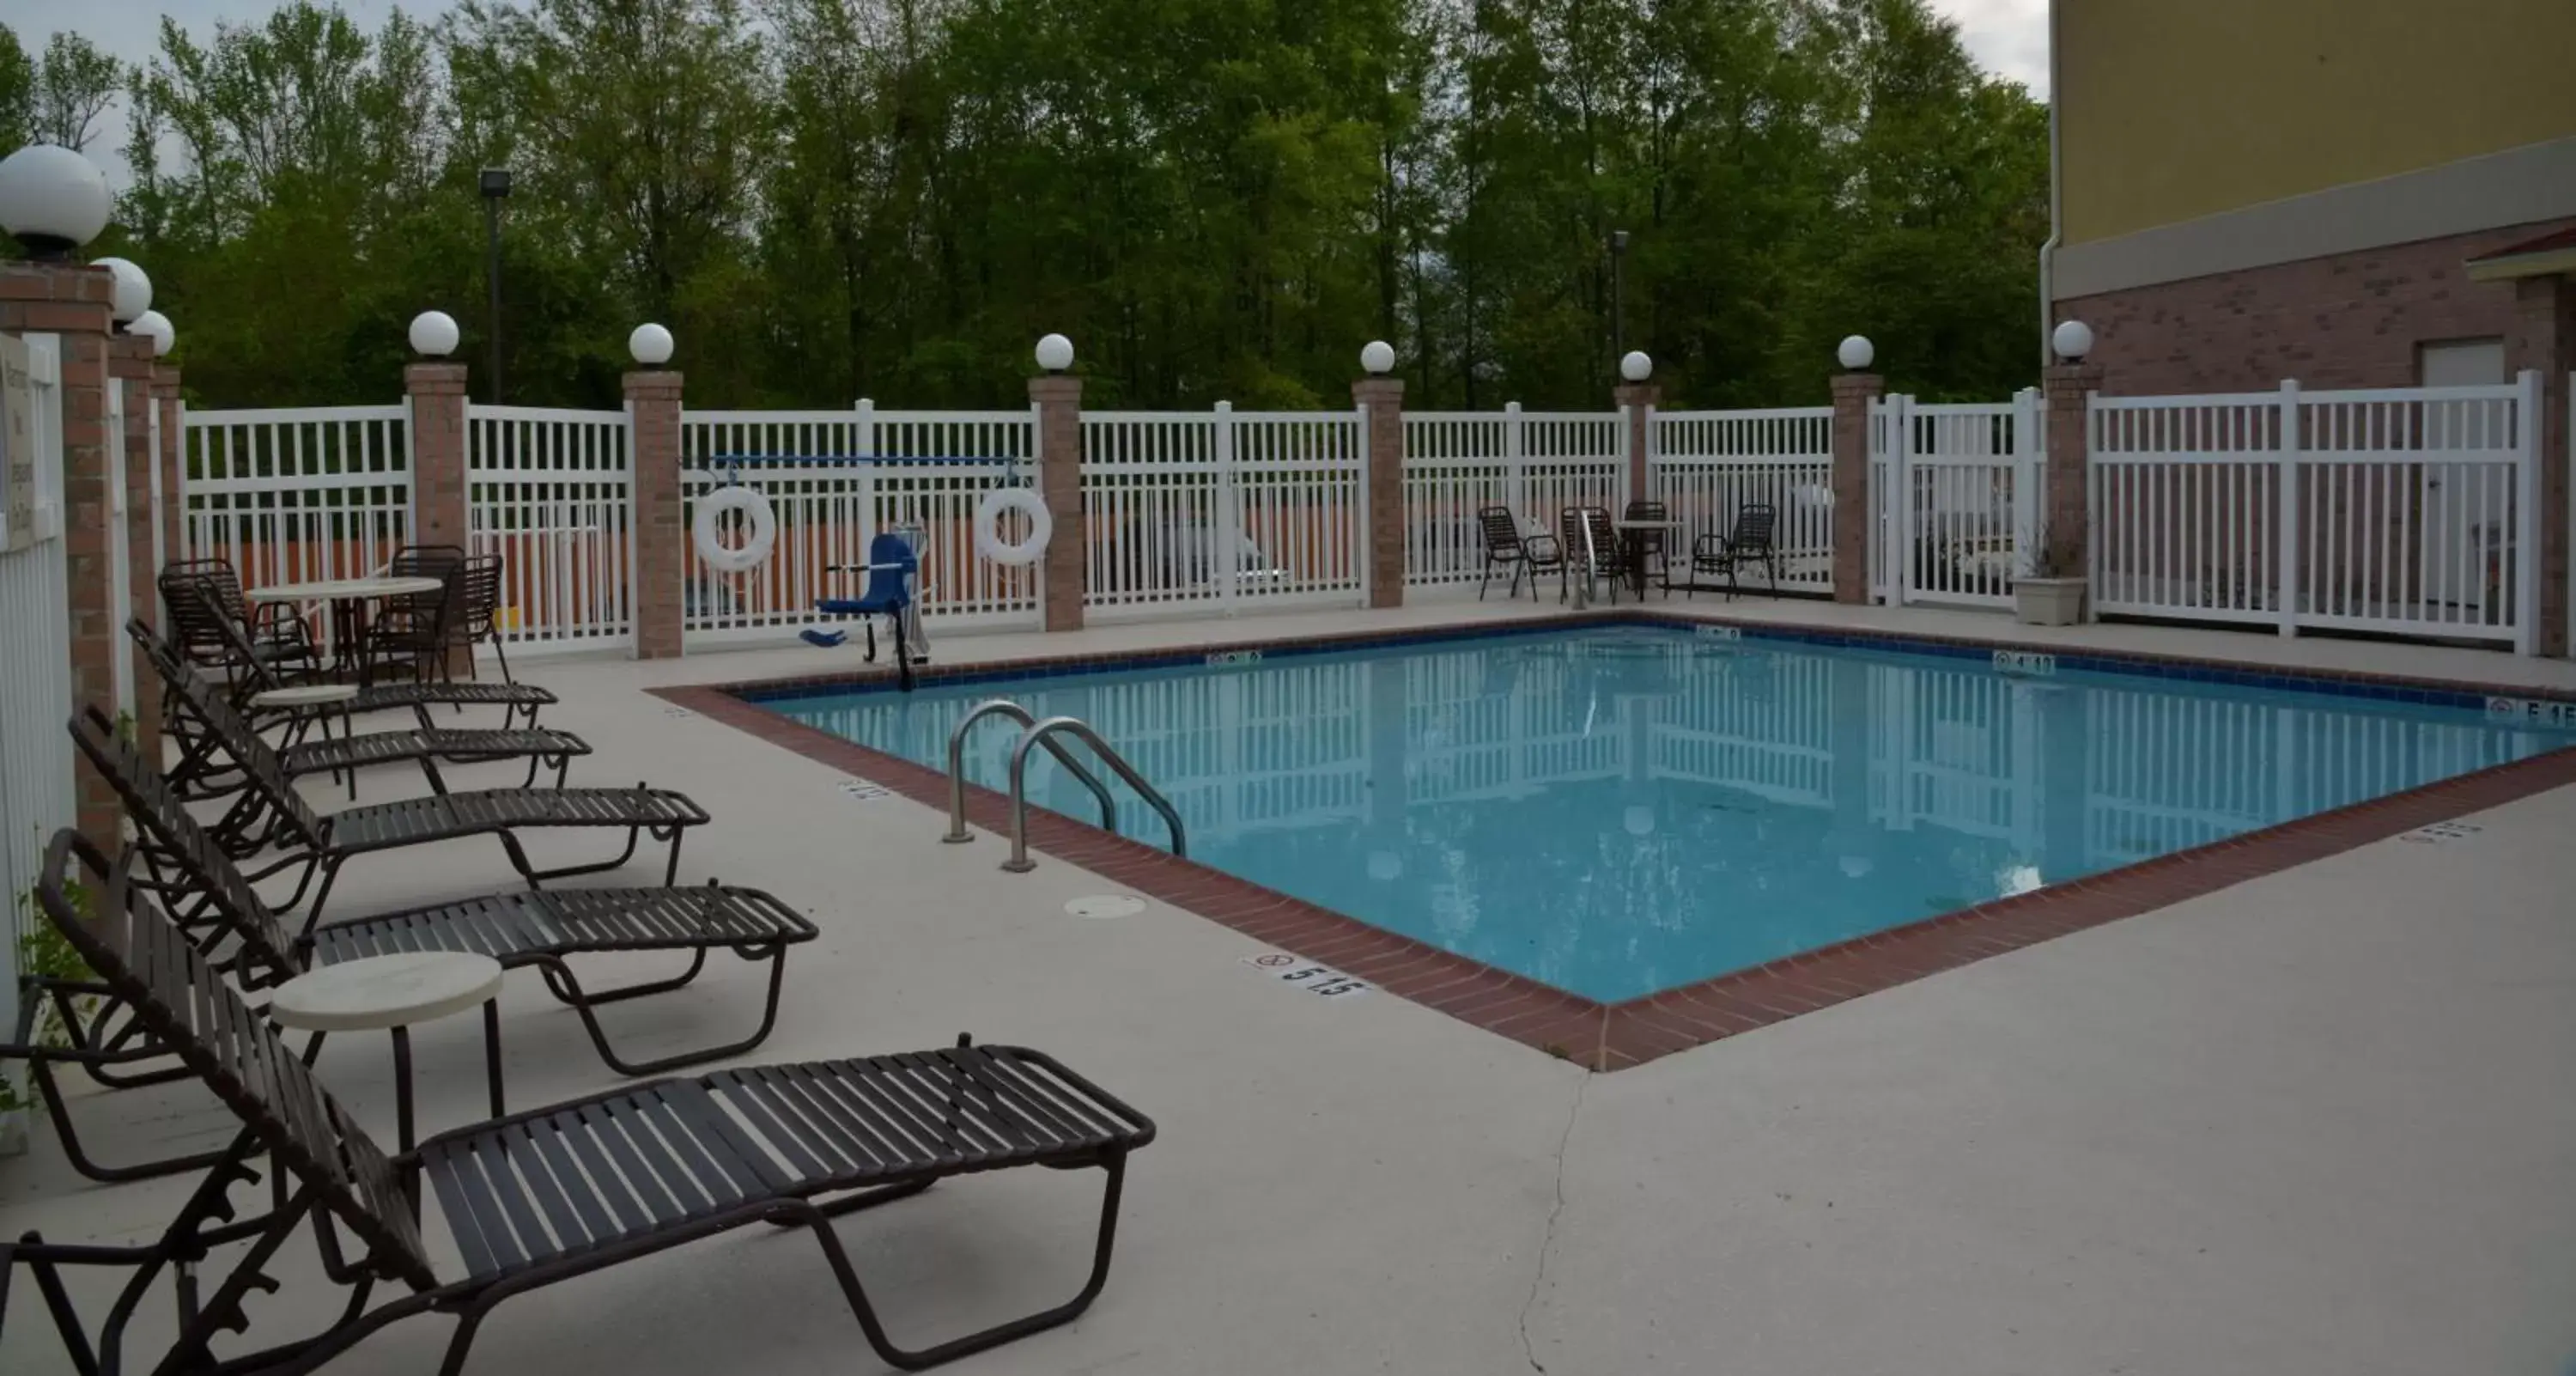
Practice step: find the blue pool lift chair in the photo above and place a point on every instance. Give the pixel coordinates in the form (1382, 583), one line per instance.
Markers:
(887, 593)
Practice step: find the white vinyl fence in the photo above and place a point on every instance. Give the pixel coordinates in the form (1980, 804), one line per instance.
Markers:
(1187, 514)
(1958, 492)
(835, 479)
(2409, 511)
(1536, 464)
(298, 495)
(553, 493)
(36, 797)
(1708, 466)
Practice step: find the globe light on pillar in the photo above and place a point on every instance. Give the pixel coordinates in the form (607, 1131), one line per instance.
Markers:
(1635, 366)
(53, 200)
(1855, 353)
(1378, 358)
(433, 334)
(650, 344)
(1055, 353)
(2072, 341)
(133, 291)
(155, 326)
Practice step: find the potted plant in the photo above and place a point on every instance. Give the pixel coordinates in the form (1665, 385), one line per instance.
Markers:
(2052, 592)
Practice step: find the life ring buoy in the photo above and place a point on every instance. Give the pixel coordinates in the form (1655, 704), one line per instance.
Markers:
(714, 507)
(988, 526)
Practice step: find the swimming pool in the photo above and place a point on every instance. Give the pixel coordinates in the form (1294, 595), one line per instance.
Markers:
(1623, 809)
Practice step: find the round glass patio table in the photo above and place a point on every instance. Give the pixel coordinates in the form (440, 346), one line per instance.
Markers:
(349, 599)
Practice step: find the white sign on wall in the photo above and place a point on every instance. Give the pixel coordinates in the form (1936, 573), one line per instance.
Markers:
(17, 444)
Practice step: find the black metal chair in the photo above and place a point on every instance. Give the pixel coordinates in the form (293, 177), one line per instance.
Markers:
(204, 598)
(1591, 546)
(415, 631)
(1524, 555)
(535, 1197)
(1749, 542)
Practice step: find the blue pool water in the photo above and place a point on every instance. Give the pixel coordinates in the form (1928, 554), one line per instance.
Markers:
(1627, 809)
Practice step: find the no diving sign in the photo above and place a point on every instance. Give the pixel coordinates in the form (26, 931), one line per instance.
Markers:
(1299, 972)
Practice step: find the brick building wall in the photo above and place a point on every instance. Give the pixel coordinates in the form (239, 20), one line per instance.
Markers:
(2341, 321)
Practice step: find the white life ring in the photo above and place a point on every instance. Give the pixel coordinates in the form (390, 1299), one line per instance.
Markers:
(988, 526)
(713, 507)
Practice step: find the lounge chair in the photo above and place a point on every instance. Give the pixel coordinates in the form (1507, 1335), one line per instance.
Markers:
(225, 919)
(544, 1195)
(268, 810)
(211, 621)
(252, 677)
(199, 773)
(1750, 542)
(1506, 547)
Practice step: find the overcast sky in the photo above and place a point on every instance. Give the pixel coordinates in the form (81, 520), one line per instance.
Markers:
(2009, 37)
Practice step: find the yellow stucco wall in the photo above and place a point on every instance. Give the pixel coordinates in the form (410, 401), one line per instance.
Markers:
(2169, 110)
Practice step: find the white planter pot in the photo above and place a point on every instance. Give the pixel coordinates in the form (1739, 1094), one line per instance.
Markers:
(2048, 601)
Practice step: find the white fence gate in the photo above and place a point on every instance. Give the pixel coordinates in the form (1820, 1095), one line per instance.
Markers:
(1536, 464)
(553, 493)
(1707, 466)
(1957, 489)
(1224, 512)
(835, 479)
(36, 797)
(2411, 510)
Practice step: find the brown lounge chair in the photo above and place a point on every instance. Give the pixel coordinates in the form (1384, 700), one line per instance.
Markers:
(540, 1196)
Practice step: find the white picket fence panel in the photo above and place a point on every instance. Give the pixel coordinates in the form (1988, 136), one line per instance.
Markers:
(297, 495)
(1705, 466)
(1173, 502)
(36, 797)
(1958, 489)
(829, 505)
(1457, 463)
(2409, 511)
(553, 493)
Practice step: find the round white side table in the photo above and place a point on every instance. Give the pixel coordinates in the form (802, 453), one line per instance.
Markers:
(391, 993)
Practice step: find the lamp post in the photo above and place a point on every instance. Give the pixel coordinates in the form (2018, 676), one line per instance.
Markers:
(496, 189)
(1619, 293)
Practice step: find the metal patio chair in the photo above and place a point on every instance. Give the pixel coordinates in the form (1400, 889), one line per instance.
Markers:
(1524, 555)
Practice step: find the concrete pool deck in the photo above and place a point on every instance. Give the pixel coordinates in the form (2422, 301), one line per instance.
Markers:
(2322, 1121)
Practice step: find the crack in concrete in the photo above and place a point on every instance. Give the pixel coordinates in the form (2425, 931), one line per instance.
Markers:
(1538, 1281)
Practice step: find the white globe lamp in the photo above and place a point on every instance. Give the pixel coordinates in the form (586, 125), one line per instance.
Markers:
(155, 326)
(2072, 341)
(433, 334)
(133, 290)
(650, 344)
(1636, 367)
(1855, 353)
(53, 200)
(1378, 358)
(1055, 353)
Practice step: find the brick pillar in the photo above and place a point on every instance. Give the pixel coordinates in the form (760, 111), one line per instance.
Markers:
(1853, 393)
(2544, 340)
(1637, 406)
(2068, 522)
(174, 451)
(661, 537)
(437, 392)
(1381, 401)
(70, 302)
(1058, 400)
(129, 363)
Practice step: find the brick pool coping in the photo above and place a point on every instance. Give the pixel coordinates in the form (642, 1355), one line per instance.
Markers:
(1615, 1036)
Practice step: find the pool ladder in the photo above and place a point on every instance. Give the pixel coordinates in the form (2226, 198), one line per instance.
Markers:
(1033, 734)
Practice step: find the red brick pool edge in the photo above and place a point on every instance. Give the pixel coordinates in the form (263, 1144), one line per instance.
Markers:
(1607, 1037)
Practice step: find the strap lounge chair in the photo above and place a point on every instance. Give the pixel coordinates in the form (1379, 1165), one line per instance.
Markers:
(210, 619)
(252, 678)
(544, 1195)
(268, 810)
(1524, 555)
(221, 915)
(201, 773)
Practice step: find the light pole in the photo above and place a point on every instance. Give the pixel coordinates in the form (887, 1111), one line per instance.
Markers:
(496, 189)
(1618, 293)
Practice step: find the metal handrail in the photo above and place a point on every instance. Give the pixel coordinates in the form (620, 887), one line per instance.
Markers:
(1004, 707)
(1043, 734)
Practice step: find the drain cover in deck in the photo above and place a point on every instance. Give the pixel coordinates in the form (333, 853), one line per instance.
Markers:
(1106, 905)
